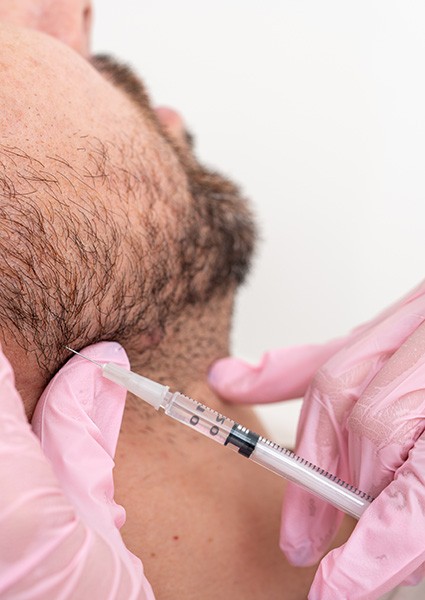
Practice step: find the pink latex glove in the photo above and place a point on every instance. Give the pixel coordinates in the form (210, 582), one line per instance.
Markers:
(58, 521)
(363, 419)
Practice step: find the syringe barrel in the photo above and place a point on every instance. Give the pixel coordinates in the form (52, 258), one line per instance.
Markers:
(314, 479)
(198, 416)
(285, 463)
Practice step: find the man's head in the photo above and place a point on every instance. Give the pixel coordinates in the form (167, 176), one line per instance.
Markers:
(108, 229)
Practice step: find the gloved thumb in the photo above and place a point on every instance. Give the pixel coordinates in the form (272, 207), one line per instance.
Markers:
(282, 374)
(77, 420)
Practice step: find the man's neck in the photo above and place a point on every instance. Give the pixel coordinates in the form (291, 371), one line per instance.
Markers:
(181, 360)
(191, 344)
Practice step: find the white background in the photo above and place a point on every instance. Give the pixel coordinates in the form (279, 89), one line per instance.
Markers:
(317, 110)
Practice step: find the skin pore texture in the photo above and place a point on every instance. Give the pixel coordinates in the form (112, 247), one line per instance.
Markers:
(109, 229)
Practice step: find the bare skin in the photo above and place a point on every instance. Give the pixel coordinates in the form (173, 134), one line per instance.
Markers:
(205, 516)
(204, 522)
(210, 516)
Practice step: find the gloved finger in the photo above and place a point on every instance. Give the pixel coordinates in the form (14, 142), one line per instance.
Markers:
(309, 523)
(301, 546)
(35, 517)
(389, 416)
(386, 545)
(46, 550)
(282, 374)
(22, 464)
(286, 373)
(323, 438)
(77, 419)
(416, 577)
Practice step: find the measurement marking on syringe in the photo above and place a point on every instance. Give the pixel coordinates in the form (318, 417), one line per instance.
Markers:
(206, 416)
(318, 470)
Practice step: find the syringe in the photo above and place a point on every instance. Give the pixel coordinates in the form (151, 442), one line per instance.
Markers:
(227, 432)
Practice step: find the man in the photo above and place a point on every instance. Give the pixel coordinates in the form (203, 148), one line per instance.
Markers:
(111, 230)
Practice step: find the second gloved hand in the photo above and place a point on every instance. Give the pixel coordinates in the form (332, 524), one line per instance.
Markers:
(363, 420)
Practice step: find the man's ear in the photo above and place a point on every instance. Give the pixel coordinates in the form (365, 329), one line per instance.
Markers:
(70, 21)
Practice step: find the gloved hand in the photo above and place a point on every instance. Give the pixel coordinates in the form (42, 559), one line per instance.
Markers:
(58, 521)
(363, 419)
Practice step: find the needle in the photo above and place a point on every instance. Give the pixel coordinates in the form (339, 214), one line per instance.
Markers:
(86, 357)
(226, 432)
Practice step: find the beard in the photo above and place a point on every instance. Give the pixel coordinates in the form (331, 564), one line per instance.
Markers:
(81, 275)
(219, 233)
